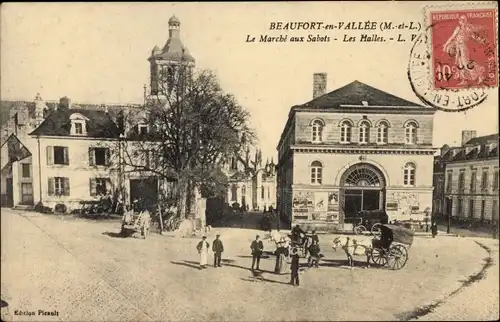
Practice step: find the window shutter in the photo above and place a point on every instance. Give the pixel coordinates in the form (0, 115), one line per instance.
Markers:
(51, 186)
(109, 186)
(108, 157)
(93, 190)
(91, 157)
(50, 155)
(66, 185)
(66, 156)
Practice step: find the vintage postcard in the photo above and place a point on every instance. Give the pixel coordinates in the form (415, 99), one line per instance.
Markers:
(249, 161)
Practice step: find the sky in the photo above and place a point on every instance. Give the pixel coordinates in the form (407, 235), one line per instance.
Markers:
(97, 53)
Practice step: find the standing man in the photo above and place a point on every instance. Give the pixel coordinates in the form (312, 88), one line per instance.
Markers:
(202, 248)
(295, 268)
(217, 248)
(257, 248)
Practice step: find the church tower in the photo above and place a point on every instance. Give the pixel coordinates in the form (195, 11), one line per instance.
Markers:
(164, 63)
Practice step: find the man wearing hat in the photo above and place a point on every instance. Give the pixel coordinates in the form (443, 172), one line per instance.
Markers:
(295, 267)
(257, 248)
(202, 248)
(217, 248)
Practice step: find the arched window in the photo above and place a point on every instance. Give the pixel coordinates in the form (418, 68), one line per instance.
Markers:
(383, 132)
(364, 132)
(316, 172)
(234, 193)
(411, 132)
(317, 131)
(409, 174)
(345, 132)
(262, 194)
(243, 190)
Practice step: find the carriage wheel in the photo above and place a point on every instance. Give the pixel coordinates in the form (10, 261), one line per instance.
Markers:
(397, 257)
(376, 229)
(378, 257)
(359, 230)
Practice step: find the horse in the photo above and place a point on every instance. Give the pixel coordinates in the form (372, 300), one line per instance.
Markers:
(352, 247)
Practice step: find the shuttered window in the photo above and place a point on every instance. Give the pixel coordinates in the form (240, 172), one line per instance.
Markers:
(100, 186)
(58, 186)
(99, 156)
(57, 155)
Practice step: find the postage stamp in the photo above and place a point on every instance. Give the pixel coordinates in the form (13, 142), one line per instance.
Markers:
(464, 48)
(453, 63)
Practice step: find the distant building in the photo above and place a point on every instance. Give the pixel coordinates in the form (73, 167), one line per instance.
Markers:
(470, 178)
(355, 148)
(251, 183)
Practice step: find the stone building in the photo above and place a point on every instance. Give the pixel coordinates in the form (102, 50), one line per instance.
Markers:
(471, 179)
(64, 153)
(355, 148)
(251, 183)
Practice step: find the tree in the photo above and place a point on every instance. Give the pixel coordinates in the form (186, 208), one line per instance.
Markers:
(184, 133)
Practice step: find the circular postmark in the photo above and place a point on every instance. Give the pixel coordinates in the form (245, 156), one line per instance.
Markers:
(426, 70)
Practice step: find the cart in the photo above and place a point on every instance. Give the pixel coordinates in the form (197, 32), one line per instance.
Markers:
(391, 248)
(370, 220)
(136, 223)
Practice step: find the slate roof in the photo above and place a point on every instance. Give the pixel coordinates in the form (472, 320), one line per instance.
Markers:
(483, 139)
(174, 50)
(99, 125)
(354, 94)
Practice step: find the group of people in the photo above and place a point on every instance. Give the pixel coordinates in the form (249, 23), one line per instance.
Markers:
(286, 251)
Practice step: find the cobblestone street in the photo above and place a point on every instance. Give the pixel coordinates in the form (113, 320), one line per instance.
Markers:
(79, 269)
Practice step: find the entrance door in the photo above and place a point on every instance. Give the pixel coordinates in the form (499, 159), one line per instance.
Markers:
(353, 202)
(9, 202)
(26, 193)
(145, 191)
(371, 199)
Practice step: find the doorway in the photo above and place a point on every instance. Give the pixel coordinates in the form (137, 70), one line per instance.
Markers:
(145, 191)
(26, 194)
(361, 188)
(9, 198)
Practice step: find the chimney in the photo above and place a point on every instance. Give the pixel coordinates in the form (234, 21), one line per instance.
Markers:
(467, 135)
(319, 84)
(65, 103)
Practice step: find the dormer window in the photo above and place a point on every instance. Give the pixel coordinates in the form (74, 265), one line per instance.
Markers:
(143, 129)
(78, 124)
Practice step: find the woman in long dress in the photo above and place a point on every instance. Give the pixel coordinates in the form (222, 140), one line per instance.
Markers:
(202, 248)
(457, 46)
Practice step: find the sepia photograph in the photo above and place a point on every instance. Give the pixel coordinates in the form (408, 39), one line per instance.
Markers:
(249, 161)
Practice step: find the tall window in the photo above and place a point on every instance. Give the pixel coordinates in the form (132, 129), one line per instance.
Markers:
(345, 132)
(449, 181)
(262, 193)
(409, 174)
(494, 211)
(99, 156)
(411, 133)
(383, 132)
(26, 170)
(483, 209)
(471, 208)
(100, 186)
(316, 172)
(78, 128)
(495, 180)
(461, 181)
(364, 132)
(234, 193)
(484, 180)
(473, 181)
(317, 131)
(460, 207)
(243, 190)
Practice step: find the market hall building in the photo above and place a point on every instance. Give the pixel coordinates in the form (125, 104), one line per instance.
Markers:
(355, 148)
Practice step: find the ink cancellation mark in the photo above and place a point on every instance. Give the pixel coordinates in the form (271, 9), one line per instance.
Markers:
(435, 70)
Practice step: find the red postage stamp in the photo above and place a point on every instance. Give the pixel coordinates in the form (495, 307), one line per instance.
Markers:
(464, 48)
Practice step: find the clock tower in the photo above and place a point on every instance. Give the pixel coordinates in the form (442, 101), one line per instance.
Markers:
(165, 63)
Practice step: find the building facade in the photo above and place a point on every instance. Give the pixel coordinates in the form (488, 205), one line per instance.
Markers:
(252, 184)
(77, 152)
(356, 148)
(471, 179)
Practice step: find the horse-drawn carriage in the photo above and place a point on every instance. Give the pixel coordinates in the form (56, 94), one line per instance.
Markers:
(136, 222)
(369, 220)
(391, 249)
